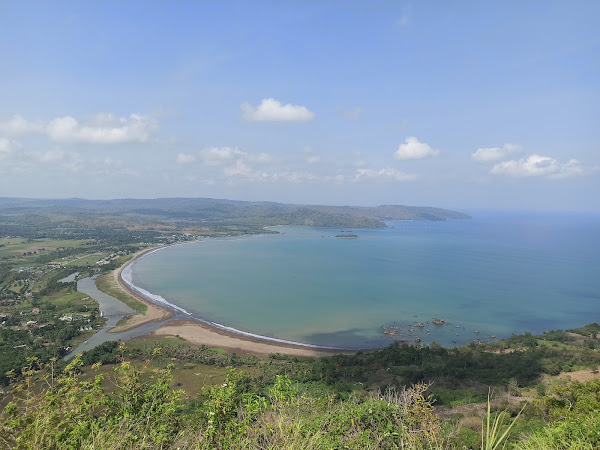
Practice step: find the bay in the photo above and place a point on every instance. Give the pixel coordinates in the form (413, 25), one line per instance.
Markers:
(493, 275)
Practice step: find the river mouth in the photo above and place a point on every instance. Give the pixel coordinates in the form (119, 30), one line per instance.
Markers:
(113, 310)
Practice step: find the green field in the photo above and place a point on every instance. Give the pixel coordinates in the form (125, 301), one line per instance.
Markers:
(73, 302)
(66, 303)
(88, 260)
(147, 345)
(188, 375)
(18, 246)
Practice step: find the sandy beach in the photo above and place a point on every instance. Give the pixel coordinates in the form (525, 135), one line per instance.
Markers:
(202, 334)
(198, 333)
(154, 313)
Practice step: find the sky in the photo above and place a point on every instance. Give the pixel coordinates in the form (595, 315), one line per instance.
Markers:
(465, 104)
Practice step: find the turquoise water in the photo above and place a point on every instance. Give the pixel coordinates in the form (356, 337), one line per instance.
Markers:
(498, 274)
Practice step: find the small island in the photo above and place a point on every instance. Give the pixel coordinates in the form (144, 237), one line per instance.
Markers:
(347, 236)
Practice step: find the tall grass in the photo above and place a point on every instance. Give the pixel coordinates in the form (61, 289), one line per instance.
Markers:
(492, 436)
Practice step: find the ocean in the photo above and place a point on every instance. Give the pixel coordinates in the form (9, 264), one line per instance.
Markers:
(496, 274)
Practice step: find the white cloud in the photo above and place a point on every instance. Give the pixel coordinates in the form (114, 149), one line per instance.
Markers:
(70, 161)
(101, 129)
(358, 162)
(6, 147)
(17, 125)
(271, 110)
(245, 168)
(492, 154)
(292, 176)
(573, 168)
(537, 165)
(184, 158)
(413, 149)
(350, 113)
(98, 129)
(242, 169)
(387, 174)
(52, 156)
(215, 156)
(261, 158)
(248, 167)
(110, 167)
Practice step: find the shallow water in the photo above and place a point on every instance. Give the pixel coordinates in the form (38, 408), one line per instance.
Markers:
(496, 273)
(113, 310)
(69, 279)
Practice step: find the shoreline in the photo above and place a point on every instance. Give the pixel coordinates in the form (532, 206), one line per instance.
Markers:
(154, 312)
(199, 332)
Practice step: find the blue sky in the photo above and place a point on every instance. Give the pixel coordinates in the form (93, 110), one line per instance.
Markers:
(451, 104)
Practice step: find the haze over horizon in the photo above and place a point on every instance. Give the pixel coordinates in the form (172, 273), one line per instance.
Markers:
(460, 106)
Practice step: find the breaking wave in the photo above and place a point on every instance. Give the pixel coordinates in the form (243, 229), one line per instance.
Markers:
(127, 277)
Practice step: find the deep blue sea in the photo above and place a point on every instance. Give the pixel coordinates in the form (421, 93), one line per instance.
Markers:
(497, 274)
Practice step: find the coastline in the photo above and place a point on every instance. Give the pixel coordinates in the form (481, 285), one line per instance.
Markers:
(199, 333)
(154, 312)
(203, 333)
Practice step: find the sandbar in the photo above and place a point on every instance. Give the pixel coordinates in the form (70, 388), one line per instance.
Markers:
(154, 313)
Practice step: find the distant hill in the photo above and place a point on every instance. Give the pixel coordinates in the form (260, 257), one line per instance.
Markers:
(395, 212)
(210, 210)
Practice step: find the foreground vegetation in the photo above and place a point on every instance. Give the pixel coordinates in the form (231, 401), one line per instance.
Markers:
(137, 402)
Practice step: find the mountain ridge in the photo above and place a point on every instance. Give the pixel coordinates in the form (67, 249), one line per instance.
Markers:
(215, 210)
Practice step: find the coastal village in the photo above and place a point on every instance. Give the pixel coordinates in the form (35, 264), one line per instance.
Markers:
(40, 308)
